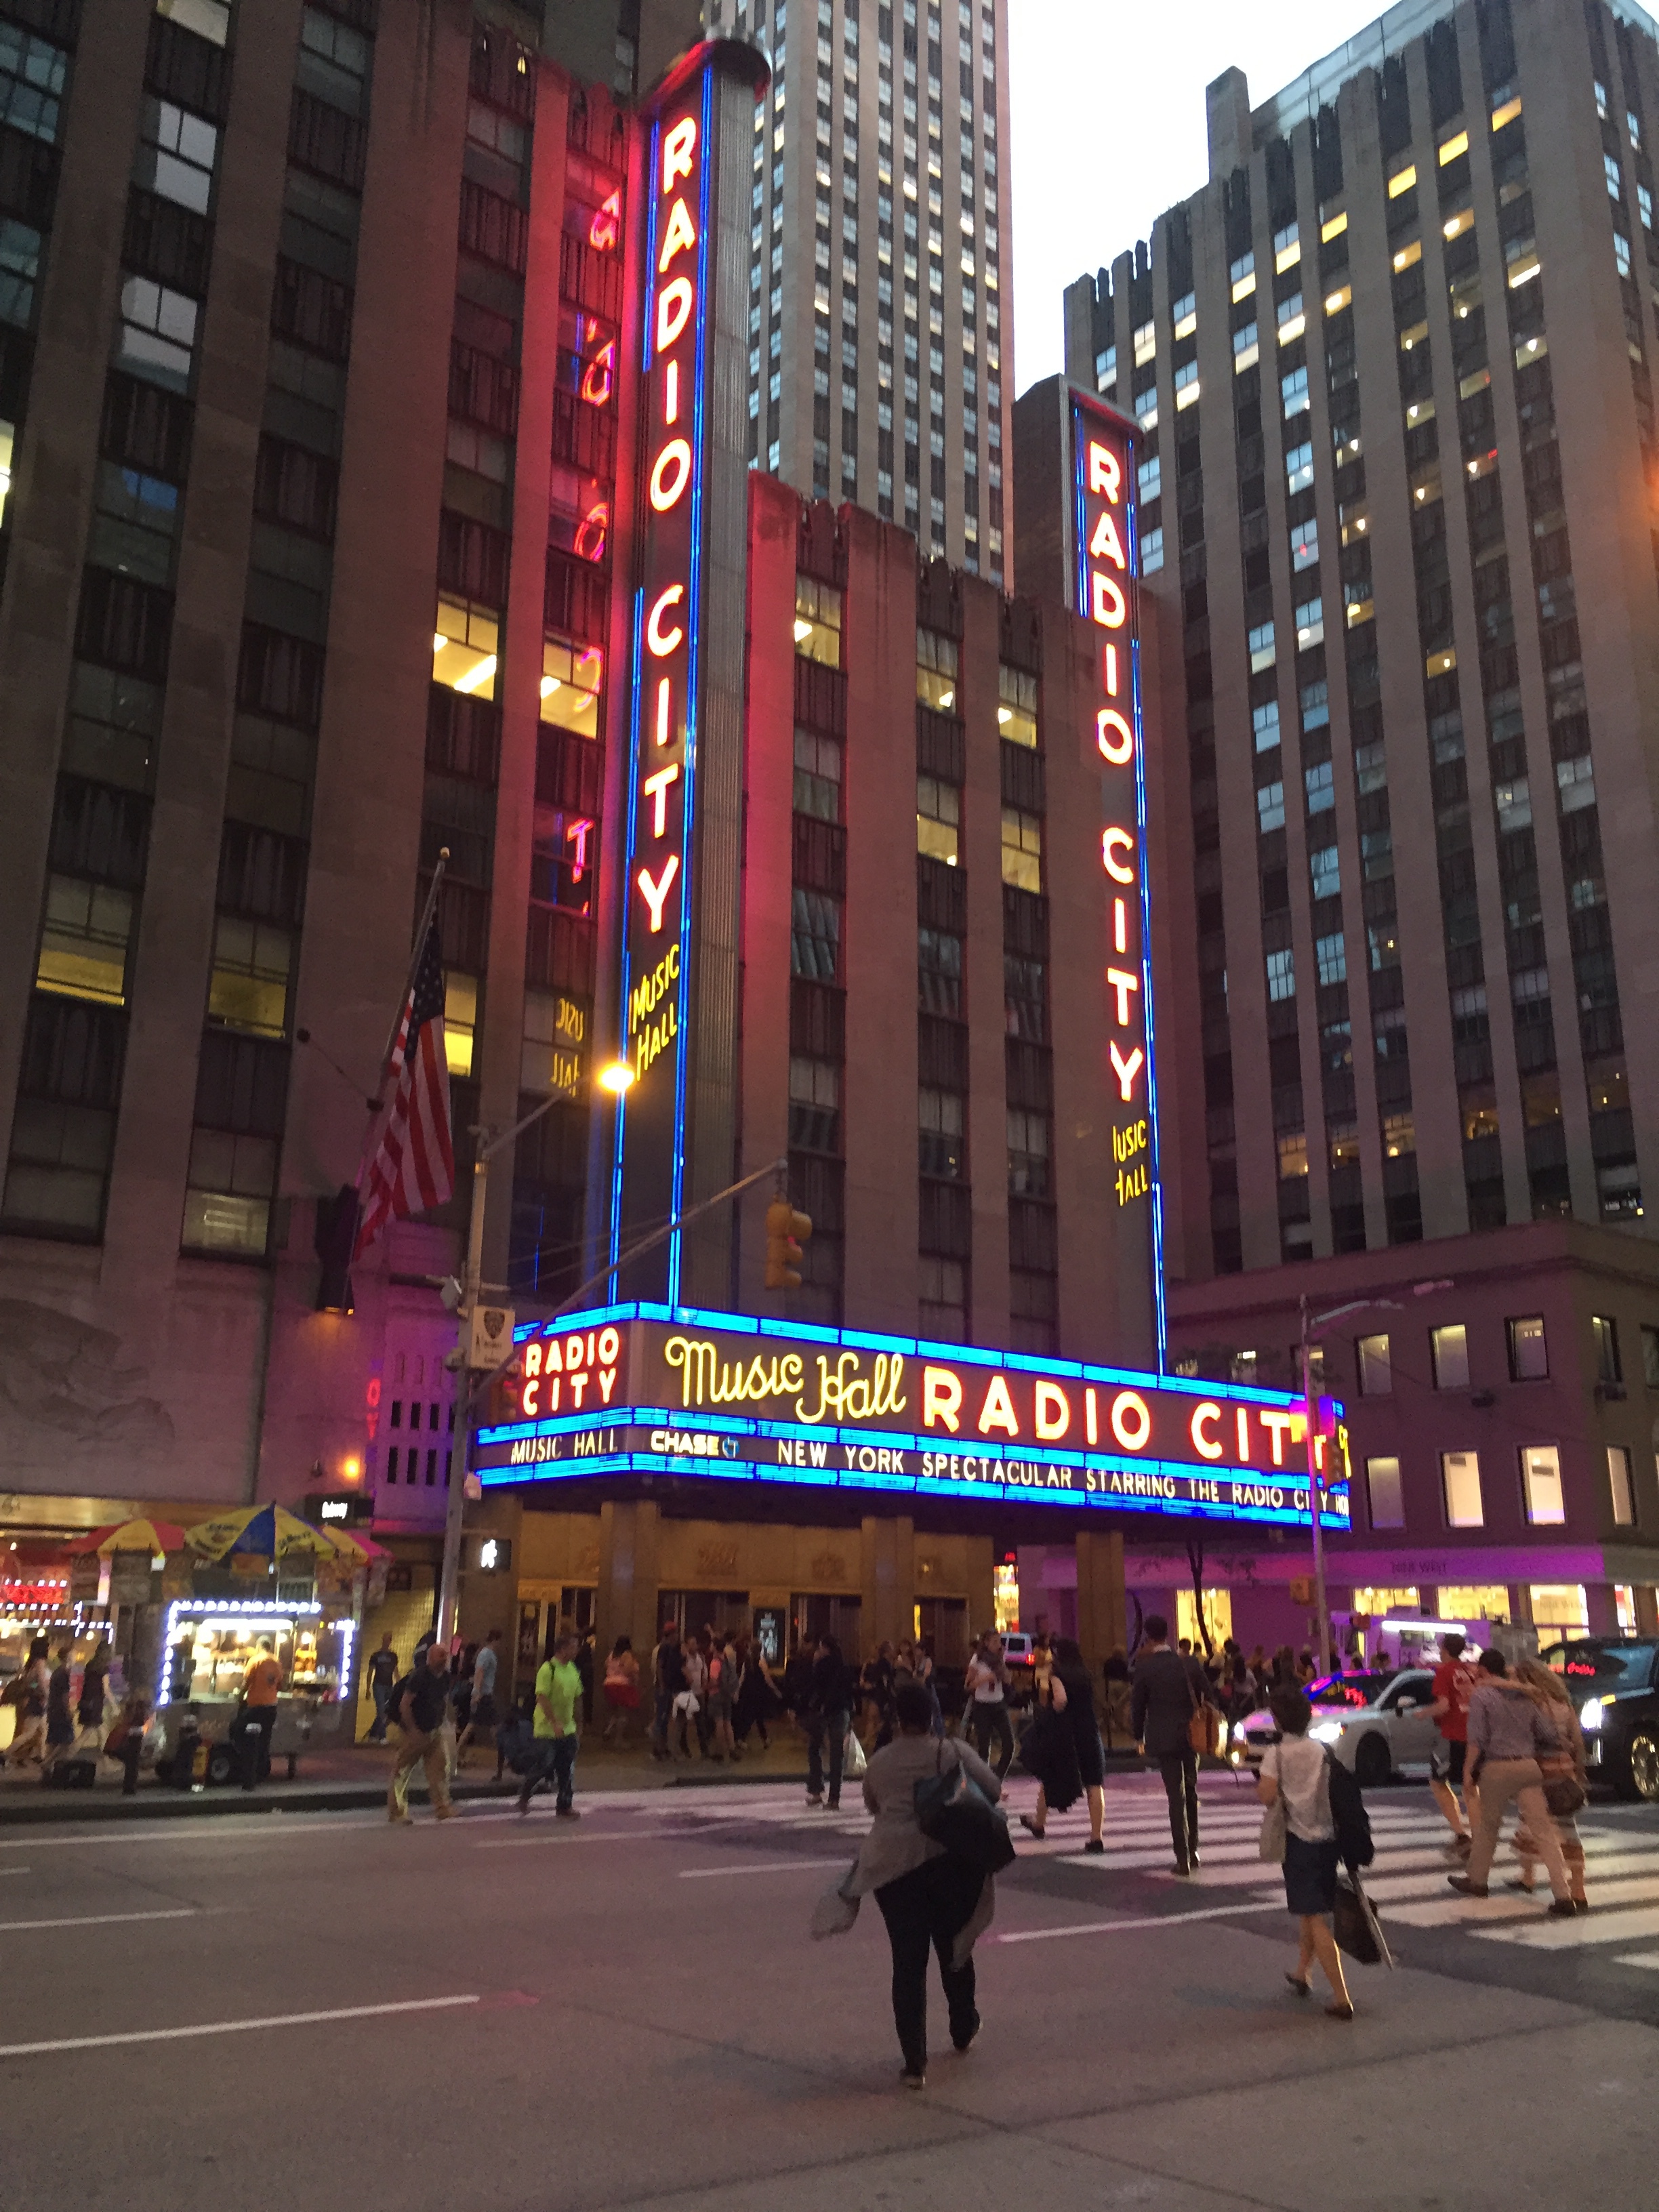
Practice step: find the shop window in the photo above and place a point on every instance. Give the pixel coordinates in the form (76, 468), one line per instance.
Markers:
(1529, 1359)
(463, 643)
(1449, 1348)
(1218, 1618)
(1460, 1484)
(85, 940)
(1376, 1367)
(1541, 1484)
(1016, 705)
(251, 963)
(1022, 849)
(939, 819)
(1385, 1499)
(460, 1021)
(936, 669)
(1622, 1485)
(233, 1180)
(1377, 1603)
(1560, 1605)
(571, 677)
(1472, 1602)
(818, 621)
(1604, 1336)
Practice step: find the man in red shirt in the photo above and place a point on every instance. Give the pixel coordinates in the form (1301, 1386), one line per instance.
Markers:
(1453, 1685)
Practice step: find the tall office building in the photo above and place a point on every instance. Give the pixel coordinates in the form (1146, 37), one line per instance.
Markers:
(881, 367)
(1398, 354)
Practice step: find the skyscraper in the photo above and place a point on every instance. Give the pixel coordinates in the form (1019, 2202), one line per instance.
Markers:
(880, 335)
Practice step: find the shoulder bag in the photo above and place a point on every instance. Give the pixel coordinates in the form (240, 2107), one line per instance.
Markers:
(1564, 1793)
(1204, 1724)
(953, 1810)
(1270, 1845)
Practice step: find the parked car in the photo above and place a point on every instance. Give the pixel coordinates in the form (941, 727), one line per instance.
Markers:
(1614, 1682)
(1374, 1724)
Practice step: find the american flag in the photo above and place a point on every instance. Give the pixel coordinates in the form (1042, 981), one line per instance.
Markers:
(414, 1166)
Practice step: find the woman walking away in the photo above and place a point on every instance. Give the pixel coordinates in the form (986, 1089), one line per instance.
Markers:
(929, 1897)
(30, 1740)
(1566, 1776)
(1294, 1773)
(95, 1691)
(621, 1688)
(1072, 1697)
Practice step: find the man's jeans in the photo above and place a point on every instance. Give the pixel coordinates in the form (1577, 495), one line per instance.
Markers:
(555, 1755)
(987, 1718)
(818, 1726)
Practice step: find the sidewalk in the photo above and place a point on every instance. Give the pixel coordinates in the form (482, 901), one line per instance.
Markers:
(350, 1777)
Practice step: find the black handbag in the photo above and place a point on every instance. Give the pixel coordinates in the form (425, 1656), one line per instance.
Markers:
(1357, 1928)
(953, 1810)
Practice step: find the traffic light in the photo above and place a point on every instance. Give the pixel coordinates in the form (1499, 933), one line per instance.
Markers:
(502, 1401)
(786, 1233)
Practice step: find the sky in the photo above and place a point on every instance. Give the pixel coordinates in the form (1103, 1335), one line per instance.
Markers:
(1094, 163)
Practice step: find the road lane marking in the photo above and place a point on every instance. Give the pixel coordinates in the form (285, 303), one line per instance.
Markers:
(102, 1919)
(1115, 1927)
(769, 1866)
(231, 2027)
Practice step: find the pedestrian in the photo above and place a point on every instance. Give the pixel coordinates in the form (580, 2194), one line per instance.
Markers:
(929, 1897)
(985, 1682)
(94, 1691)
(1116, 1673)
(261, 1686)
(60, 1721)
(1167, 1693)
(688, 1705)
(668, 1681)
(798, 1680)
(621, 1688)
(1569, 1767)
(420, 1709)
(1072, 1698)
(382, 1673)
(1296, 1773)
(1452, 1688)
(125, 1741)
(719, 1685)
(482, 1715)
(29, 1743)
(558, 1695)
(829, 1716)
(877, 1684)
(1508, 1735)
(757, 1700)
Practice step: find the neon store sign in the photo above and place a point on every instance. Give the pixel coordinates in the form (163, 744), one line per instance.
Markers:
(649, 1389)
(1108, 556)
(656, 971)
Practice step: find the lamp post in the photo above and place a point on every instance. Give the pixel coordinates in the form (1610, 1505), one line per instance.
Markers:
(1310, 1322)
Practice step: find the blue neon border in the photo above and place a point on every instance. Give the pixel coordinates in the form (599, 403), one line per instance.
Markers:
(1130, 434)
(694, 609)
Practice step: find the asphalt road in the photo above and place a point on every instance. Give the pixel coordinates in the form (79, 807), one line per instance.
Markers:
(309, 2009)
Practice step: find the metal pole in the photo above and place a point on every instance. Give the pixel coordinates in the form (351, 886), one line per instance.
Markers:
(449, 1585)
(1316, 1495)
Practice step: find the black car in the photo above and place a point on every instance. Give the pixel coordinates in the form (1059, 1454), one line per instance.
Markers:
(1614, 1684)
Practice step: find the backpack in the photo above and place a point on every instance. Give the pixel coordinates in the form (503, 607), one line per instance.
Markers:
(1349, 1818)
(515, 1743)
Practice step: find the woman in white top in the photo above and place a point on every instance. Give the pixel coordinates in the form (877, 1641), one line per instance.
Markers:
(1293, 1773)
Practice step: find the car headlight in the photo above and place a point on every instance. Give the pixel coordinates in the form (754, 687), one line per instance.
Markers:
(1590, 1716)
(1239, 1735)
(1326, 1731)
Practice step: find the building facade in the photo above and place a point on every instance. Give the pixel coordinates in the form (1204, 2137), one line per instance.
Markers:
(1398, 352)
(881, 365)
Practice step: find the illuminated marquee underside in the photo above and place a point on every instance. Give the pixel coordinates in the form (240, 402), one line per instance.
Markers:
(648, 1390)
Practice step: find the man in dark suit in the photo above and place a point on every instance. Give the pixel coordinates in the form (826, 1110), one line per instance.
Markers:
(1169, 1687)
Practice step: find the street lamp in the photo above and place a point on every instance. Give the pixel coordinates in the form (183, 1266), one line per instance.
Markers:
(616, 1078)
(1310, 1322)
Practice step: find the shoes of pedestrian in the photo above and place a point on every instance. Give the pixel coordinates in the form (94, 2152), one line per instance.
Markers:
(1515, 1883)
(1463, 1844)
(523, 1808)
(1464, 1886)
(398, 1820)
(913, 2078)
(1031, 1826)
(443, 1812)
(1192, 1858)
(1095, 1848)
(1581, 1904)
(1181, 1866)
(1561, 1908)
(566, 1813)
(812, 1800)
(962, 2047)
(1338, 2012)
(1302, 1988)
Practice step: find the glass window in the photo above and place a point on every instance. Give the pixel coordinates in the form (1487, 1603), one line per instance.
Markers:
(1650, 1357)
(157, 337)
(1449, 1347)
(818, 621)
(942, 1308)
(32, 78)
(464, 641)
(1622, 1485)
(814, 1104)
(460, 1021)
(936, 669)
(8, 444)
(176, 154)
(1022, 849)
(1560, 1605)
(1281, 975)
(1028, 1154)
(228, 1201)
(817, 775)
(1386, 1501)
(1264, 722)
(1529, 1359)
(1541, 1484)
(83, 944)
(1292, 1155)
(1260, 641)
(815, 939)
(1473, 1602)
(1460, 1484)
(939, 1120)
(1016, 705)
(249, 986)
(1299, 467)
(939, 819)
(1376, 1368)
(1269, 807)
(1332, 954)
(1604, 1334)
(1320, 785)
(550, 1051)
(572, 677)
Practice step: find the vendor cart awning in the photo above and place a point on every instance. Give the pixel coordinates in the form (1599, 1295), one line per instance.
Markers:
(272, 1532)
(142, 1535)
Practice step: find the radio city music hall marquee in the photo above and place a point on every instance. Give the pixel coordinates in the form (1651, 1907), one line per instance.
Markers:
(639, 1390)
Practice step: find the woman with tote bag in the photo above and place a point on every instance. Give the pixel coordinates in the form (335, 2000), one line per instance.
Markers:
(1294, 1785)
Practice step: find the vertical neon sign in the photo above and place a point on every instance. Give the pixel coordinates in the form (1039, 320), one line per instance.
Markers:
(1108, 560)
(649, 1161)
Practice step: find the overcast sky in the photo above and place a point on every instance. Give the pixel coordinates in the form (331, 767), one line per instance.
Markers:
(1109, 125)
